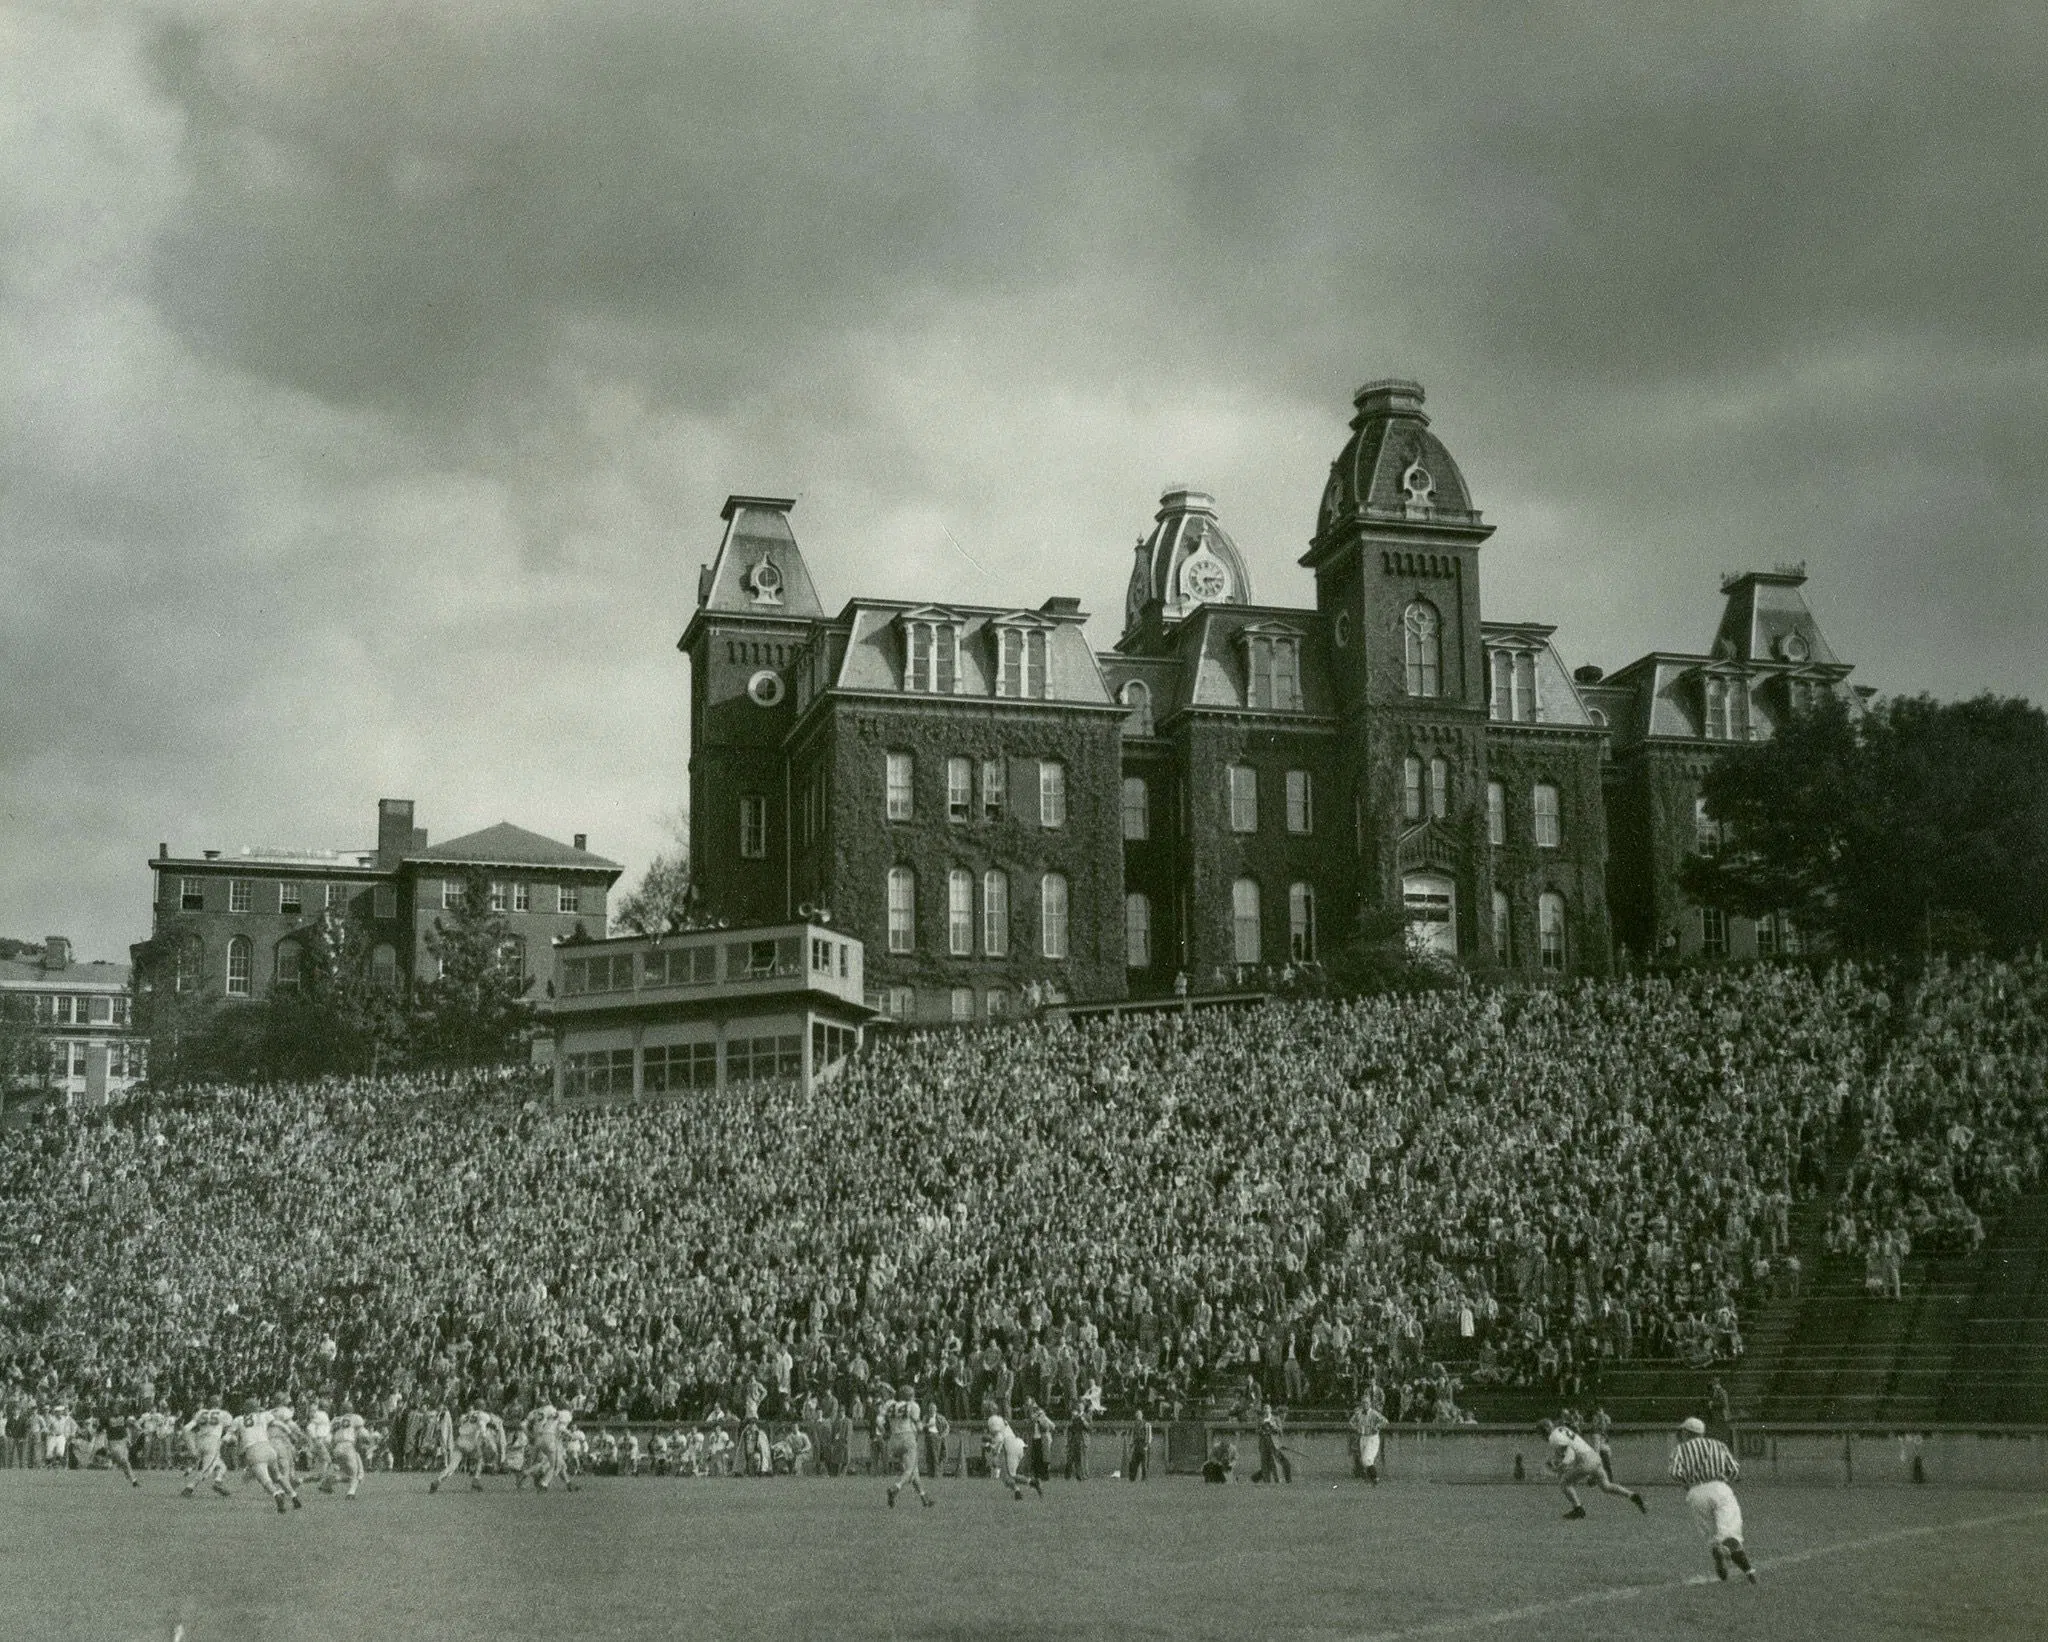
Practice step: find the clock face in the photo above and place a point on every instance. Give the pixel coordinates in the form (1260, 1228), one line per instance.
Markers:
(1205, 578)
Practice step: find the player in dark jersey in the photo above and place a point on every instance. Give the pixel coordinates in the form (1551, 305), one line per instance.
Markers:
(120, 1435)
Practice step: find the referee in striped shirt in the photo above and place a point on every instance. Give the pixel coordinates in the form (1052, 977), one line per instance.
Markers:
(1705, 1467)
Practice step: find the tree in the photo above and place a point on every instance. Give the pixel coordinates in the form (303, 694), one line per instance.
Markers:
(666, 901)
(334, 1017)
(474, 1012)
(24, 1049)
(1923, 825)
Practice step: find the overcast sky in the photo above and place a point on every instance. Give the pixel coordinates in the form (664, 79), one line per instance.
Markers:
(373, 374)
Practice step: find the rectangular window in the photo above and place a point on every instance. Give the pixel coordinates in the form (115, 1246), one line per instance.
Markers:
(1137, 932)
(451, 894)
(960, 913)
(900, 770)
(672, 1068)
(1301, 923)
(1244, 920)
(602, 1074)
(1275, 673)
(754, 827)
(1706, 831)
(384, 901)
(1137, 819)
(1301, 802)
(522, 898)
(1052, 915)
(1713, 932)
(902, 1003)
(191, 895)
(1550, 930)
(902, 910)
(995, 913)
(239, 897)
(1499, 704)
(288, 898)
(1549, 832)
(1525, 687)
(501, 897)
(959, 789)
(963, 1003)
(1052, 793)
(994, 789)
(1496, 814)
(934, 665)
(1411, 788)
(565, 899)
(1502, 946)
(1244, 798)
(997, 1004)
(1439, 789)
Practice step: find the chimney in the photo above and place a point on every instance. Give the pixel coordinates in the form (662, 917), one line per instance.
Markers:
(163, 852)
(394, 831)
(583, 840)
(56, 952)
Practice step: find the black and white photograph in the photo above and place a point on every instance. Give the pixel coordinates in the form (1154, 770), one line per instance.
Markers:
(862, 821)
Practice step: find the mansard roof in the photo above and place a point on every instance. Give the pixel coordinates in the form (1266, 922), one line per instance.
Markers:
(1392, 470)
(1765, 618)
(874, 658)
(759, 569)
(1558, 701)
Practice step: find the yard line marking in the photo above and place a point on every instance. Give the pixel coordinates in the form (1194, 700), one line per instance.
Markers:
(1621, 1593)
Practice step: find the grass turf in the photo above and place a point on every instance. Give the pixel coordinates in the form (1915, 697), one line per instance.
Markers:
(84, 1556)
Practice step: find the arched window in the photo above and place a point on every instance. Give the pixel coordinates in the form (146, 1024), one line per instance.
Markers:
(286, 973)
(1550, 929)
(1137, 932)
(1503, 931)
(960, 913)
(1411, 788)
(902, 909)
(1052, 915)
(995, 913)
(239, 962)
(1439, 788)
(384, 966)
(1137, 819)
(1137, 695)
(1301, 923)
(1431, 902)
(1244, 920)
(1422, 642)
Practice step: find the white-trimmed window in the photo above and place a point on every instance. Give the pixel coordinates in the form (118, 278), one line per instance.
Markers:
(1137, 932)
(1137, 812)
(1550, 929)
(960, 913)
(335, 897)
(1422, 648)
(1020, 663)
(1244, 798)
(754, 827)
(1706, 831)
(995, 913)
(1549, 828)
(934, 657)
(1137, 696)
(996, 1004)
(191, 895)
(902, 910)
(1514, 686)
(1727, 710)
(1713, 932)
(565, 899)
(994, 789)
(522, 898)
(901, 769)
(240, 896)
(959, 789)
(1301, 802)
(1052, 915)
(241, 957)
(1301, 923)
(1244, 920)
(902, 1002)
(384, 901)
(501, 897)
(1411, 788)
(963, 1003)
(1052, 793)
(1503, 932)
(1439, 788)
(1496, 814)
(451, 894)
(1273, 666)
(288, 897)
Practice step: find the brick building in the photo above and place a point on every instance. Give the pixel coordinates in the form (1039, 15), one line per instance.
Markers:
(235, 925)
(1004, 816)
(83, 1016)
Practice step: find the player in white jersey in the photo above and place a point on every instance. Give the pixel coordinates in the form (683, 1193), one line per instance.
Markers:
(319, 1440)
(345, 1458)
(1005, 1451)
(1573, 1462)
(463, 1442)
(900, 1425)
(204, 1433)
(259, 1452)
(548, 1433)
(1705, 1467)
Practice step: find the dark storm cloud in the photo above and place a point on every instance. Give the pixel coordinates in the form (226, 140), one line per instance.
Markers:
(383, 366)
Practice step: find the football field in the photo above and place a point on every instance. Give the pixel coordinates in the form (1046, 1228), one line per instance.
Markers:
(84, 1556)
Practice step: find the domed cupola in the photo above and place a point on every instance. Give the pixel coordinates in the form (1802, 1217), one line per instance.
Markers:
(1393, 469)
(1186, 561)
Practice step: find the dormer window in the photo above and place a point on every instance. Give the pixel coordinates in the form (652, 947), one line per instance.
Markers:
(1020, 663)
(1727, 709)
(1273, 671)
(933, 652)
(1137, 696)
(1514, 687)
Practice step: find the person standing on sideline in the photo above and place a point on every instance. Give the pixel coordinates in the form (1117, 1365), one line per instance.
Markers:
(1041, 1440)
(1705, 1467)
(1367, 1422)
(1140, 1460)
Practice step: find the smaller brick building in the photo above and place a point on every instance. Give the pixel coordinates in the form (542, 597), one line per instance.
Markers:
(235, 925)
(83, 1012)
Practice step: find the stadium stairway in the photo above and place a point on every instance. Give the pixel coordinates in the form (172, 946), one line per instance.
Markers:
(1998, 1372)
